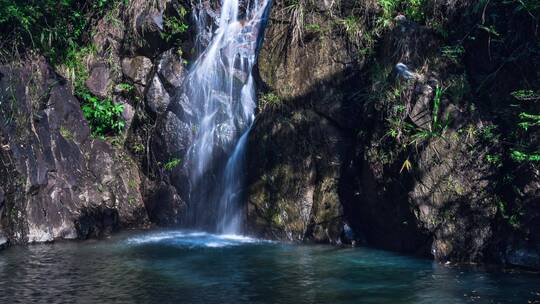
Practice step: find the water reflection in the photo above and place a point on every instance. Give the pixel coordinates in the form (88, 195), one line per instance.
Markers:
(187, 267)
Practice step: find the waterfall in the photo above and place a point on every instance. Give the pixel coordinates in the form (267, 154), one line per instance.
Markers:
(221, 90)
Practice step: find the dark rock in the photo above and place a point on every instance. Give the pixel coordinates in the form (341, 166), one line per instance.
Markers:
(128, 114)
(171, 70)
(165, 206)
(421, 113)
(173, 137)
(137, 69)
(157, 97)
(57, 176)
(95, 223)
(99, 81)
(522, 257)
(171, 140)
(294, 166)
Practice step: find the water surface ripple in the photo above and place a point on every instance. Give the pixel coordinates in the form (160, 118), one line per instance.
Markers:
(196, 267)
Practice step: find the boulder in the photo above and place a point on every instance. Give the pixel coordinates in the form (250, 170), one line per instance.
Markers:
(157, 97)
(99, 81)
(61, 182)
(171, 70)
(165, 206)
(294, 165)
(137, 69)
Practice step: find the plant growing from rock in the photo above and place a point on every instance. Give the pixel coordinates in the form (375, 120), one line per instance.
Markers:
(172, 163)
(269, 101)
(438, 124)
(174, 26)
(104, 116)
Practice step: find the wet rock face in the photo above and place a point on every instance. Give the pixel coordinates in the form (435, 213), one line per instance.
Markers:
(294, 166)
(171, 69)
(444, 204)
(59, 182)
(165, 206)
(170, 142)
(157, 97)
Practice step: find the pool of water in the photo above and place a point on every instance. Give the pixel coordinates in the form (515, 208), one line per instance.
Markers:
(192, 267)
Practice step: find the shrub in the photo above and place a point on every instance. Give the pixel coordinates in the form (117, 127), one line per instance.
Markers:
(269, 100)
(54, 27)
(104, 117)
(413, 10)
(175, 25)
(171, 164)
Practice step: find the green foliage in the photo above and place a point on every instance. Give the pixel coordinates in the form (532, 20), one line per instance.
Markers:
(490, 30)
(454, 53)
(104, 117)
(520, 157)
(138, 148)
(125, 87)
(171, 164)
(532, 7)
(66, 133)
(413, 10)
(175, 25)
(269, 101)
(352, 25)
(489, 133)
(54, 27)
(58, 30)
(74, 68)
(314, 27)
(528, 120)
(525, 95)
(512, 219)
(438, 124)
(494, 159)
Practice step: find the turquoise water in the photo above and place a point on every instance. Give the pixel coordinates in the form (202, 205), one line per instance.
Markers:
(189, 267)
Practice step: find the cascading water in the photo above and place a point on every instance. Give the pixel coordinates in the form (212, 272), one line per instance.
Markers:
(221, 90)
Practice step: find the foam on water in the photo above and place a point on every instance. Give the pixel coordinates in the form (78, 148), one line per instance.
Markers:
(190, 239)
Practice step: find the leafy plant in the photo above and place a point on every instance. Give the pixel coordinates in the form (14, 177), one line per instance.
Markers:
(491, 30)
(406, 166)
(528, 120)
(494, 159)
(74, 67)
(171, 164)
(532, 7)
(54, 27)
(513, 219)
(488, 133)
(269, 100)
(138, 148)
(314, 27)
(438, 124)
(175, 25)
(66, 133)
(519, 156)
(125, 87)
(104, 116)
(413, 10)
(352, 25)
(525, 95)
